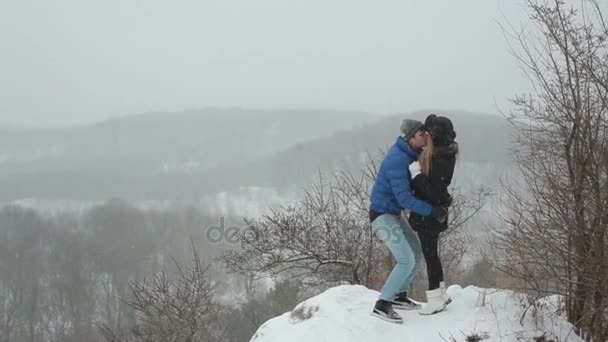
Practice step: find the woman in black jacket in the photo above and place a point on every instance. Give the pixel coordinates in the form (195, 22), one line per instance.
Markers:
(431, 176)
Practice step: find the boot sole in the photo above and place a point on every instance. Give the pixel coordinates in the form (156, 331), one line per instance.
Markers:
(406, 308)
(386, 319)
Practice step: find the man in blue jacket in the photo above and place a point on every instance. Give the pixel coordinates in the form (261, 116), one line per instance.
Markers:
(391, 194)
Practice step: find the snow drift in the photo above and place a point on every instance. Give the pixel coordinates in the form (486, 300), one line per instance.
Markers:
(342, 313)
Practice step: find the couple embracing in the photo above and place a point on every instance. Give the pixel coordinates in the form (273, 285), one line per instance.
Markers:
(414, 176)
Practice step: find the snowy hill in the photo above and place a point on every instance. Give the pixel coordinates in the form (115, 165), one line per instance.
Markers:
(343, 314)
(157, 155)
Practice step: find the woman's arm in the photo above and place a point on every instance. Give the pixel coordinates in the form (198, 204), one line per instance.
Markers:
(420, 182)
(432, 188)
(440, 178)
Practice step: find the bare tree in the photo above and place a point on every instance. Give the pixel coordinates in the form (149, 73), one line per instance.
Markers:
(326, 237)
(69, 310)
(323, 238)
(558, 207)
(180, 309)
(121, 246)
(22, 255)
(62, 273)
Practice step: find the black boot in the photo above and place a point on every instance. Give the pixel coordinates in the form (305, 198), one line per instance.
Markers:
(384, 310)
(402, 302)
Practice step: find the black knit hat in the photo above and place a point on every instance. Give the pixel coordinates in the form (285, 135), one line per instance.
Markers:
(441, 129)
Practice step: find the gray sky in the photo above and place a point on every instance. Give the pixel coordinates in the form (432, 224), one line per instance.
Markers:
(76, 61)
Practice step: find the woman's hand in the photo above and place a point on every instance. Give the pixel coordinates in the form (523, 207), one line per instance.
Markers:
(415, 169)
(439, 213)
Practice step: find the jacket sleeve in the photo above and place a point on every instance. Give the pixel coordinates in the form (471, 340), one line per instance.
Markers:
(422, 186)
(399, 179)
(440, 177)
(450, 173)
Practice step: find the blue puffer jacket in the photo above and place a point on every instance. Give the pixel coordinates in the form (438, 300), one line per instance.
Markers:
(392, 191)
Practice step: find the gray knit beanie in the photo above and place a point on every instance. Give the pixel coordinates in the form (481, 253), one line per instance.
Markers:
(409, 128)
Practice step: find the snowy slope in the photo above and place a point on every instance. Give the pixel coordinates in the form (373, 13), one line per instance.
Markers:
(343, 314)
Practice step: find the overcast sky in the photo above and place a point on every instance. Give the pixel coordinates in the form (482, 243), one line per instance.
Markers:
(77, 61)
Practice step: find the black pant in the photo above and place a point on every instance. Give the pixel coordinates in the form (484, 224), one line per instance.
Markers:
(429, 242)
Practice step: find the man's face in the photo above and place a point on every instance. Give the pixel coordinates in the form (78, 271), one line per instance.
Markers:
(419, 140)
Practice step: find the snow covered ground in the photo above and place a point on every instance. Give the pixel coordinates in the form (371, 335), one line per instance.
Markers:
(343, 314)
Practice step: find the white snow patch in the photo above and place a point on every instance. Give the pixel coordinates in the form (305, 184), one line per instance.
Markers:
(342, 313)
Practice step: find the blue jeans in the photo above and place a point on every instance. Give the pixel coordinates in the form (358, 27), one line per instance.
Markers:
(404, 245)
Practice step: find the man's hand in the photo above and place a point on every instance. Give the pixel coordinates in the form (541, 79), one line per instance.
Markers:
(439, 213)
(415, 169)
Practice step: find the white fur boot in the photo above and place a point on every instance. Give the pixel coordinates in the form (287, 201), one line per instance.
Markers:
(434, 302)
(444, 292)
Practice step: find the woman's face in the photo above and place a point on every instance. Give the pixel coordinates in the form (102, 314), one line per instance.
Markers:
(429, 137)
